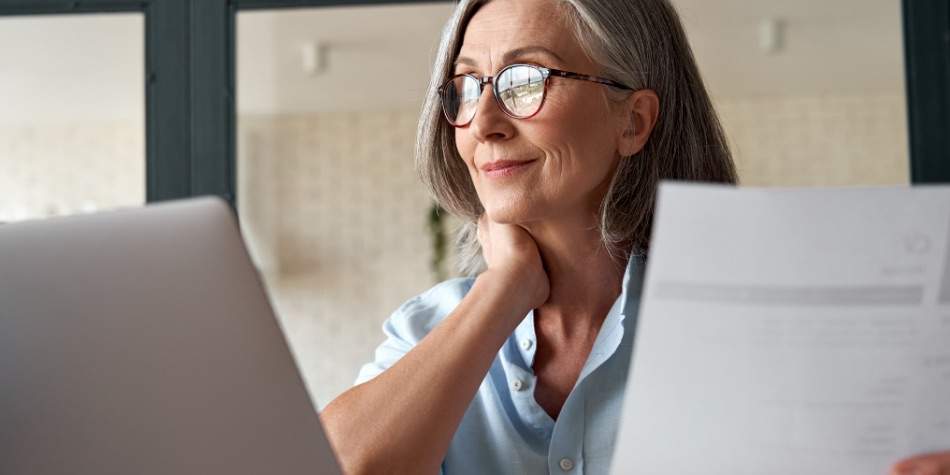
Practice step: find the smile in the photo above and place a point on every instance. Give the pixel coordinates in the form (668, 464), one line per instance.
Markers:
(503, 168)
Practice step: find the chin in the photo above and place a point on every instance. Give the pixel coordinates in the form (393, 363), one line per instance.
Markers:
(519, 207)
(520, 216)
(506, 216)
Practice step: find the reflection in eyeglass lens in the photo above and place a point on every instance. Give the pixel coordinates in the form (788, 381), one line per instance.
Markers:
(517, 86)
(463, 94)
(520, 89)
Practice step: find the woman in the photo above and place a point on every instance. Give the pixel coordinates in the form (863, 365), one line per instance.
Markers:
(547, 127)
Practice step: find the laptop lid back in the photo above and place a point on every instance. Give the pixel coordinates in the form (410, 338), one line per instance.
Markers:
(142, 342)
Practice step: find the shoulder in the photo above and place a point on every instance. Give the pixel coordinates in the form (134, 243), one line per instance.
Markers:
(414, 320)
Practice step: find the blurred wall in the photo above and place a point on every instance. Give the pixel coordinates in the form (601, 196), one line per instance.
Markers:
(52, 169)
(819, 140)
(337, 220)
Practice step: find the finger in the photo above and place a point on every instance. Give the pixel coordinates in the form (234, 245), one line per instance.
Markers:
(928, 464)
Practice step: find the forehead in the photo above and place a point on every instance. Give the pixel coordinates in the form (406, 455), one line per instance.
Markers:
(502, 26)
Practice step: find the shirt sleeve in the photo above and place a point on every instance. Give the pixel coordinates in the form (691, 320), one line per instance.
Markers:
(411, 322)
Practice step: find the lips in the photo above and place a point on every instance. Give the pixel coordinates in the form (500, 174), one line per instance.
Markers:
(501, 168)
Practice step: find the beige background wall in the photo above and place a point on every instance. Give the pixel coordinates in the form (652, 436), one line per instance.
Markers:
(337, 218)
(820, 140)
(52, 169)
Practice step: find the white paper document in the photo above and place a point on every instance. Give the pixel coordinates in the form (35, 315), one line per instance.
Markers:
(790, 332)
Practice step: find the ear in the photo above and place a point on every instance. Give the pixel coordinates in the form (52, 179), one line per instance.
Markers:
(641, 110)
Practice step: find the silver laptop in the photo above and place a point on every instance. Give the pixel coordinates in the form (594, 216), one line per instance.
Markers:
(142, 342)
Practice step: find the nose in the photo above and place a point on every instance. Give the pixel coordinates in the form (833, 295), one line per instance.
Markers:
(490, 122)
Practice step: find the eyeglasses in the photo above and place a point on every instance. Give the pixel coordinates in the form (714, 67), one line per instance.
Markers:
(519, 90)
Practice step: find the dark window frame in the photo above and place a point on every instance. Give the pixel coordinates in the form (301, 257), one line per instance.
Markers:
(927, 76)
(190, 85)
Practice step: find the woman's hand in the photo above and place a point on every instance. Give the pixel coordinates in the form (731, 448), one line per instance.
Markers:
(511, 253)
(377, 427)
(928, 464)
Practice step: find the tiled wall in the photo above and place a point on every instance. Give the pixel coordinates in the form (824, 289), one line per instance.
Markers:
(336, 216)
(819, 141)
(58, 169)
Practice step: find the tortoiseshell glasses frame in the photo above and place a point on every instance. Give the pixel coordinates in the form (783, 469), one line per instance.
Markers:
(519, 90)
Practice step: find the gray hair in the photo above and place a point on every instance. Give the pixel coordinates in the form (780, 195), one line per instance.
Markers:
(640, 43)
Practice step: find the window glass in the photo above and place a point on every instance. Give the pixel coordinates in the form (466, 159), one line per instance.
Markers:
(72, 128)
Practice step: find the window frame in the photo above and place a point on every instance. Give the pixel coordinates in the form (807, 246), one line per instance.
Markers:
(927, 78)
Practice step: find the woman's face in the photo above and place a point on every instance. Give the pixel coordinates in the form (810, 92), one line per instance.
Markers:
(557, 164)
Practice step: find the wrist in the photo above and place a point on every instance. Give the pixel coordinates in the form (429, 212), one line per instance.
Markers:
(516, 292)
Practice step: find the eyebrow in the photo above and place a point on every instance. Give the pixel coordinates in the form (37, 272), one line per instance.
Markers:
(513, 54)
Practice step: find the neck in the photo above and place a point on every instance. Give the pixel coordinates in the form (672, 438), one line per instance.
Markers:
(585, 278)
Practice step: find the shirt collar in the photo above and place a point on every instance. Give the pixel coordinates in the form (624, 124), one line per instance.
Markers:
(621, 317)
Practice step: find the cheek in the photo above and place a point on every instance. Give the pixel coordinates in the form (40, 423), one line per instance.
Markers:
(582, 142)
(575, 138)
(581, 115)
(465, 146)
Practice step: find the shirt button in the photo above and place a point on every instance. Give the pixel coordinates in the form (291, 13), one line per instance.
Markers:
(566, 464)
(526, 344)
(517, 385)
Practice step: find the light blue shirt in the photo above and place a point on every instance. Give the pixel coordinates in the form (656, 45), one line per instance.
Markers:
(504, 430)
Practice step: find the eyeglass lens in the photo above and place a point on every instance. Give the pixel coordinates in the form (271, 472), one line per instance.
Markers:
(519, 89)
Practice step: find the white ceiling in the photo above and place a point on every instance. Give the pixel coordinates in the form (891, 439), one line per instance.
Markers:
(90, 66)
